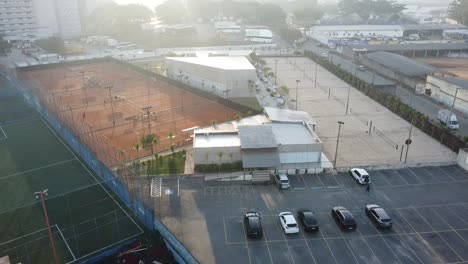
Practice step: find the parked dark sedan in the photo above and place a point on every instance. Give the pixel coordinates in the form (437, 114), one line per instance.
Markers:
(378, 216)
(344, 218)
(253, 224)
(307, 220)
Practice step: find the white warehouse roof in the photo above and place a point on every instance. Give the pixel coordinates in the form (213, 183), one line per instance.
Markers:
(225, 63)
(216, 140)
(357, 27)
(293, 134)
(290, 116)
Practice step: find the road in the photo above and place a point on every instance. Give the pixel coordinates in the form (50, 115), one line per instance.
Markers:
(420, 103)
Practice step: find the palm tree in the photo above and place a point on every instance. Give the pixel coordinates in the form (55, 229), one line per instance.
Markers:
(213, 122)
(172, 149)
(147, 142)
(220, 156)
(238, 117)
(137, 148)
(171, 136)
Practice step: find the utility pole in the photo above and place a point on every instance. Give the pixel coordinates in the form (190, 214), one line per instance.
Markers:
(315, 76)
(276, 69)
(147, 111)
(337, 142)
(297, 90)
(451, 107)
(40, 195)
(84, 86)
(408, 141)
(349, 88)
(111, 101)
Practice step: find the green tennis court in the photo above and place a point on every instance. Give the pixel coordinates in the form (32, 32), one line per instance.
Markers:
(85, 217)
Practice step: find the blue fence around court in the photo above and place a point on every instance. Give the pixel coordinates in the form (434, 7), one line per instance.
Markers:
(146, 215)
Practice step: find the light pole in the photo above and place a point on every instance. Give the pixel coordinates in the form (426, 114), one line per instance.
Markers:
(451, 107)
(40, 195)
(276, 68)
(111, 101)
(147, 111)
(297, 90)
(408, 141)
(315, 76)
(349, 88)
(337, 141)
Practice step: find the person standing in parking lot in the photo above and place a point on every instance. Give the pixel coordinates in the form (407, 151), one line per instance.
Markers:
(368, 188)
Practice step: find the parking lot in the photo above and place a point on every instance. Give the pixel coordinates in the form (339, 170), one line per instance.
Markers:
(429, 207)
(371, 134)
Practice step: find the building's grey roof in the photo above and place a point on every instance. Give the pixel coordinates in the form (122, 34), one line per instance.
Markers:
(263, 158)
(356, 27)
(292, 134)
(257, 136)
(455, 81)
(290, 116)
(403, 65)
(225, 63)
(432, 26)
(412, 46)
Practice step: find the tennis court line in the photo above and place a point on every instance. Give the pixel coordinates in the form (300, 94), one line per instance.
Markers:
(14, 239)
(36, 169)
(92, 175)
(5, 135)
(66, 243)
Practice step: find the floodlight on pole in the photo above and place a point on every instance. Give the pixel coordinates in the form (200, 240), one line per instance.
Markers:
(297, 90)
(40, 195)
(337, 142)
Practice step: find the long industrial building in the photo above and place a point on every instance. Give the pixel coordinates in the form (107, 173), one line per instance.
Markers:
(227, 77)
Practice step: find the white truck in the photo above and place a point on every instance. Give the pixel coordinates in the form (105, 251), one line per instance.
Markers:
(452, 122)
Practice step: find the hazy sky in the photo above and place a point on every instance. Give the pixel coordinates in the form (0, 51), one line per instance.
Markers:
(153, 3)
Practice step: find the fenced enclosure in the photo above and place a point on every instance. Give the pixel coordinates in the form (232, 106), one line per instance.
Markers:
(98, 162)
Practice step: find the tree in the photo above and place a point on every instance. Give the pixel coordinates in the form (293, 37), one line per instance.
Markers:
(366, 8)
(137, 148)
(307, 14)
(52, 44)
(4, 46)
(458, 10)
(171, 11)
(147, 141)
(220, 156)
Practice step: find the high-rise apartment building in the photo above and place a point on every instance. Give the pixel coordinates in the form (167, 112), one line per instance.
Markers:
(17, 19)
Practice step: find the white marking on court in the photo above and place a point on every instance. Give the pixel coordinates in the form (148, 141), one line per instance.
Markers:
(4, 134)
(66, 243)
(246, 240)
(156, 187)
(98, 182)
(39, 168)
(11, 240)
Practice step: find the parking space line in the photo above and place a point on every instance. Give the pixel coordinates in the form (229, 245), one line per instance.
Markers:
(404, 219)
(385, 178)
(450, 246)
(287, 245)
(372, 251)
(246, 240)
(337, 181)
(457, 215)
(416, 175)
(401, 176)
(460, 170)
(225, 232)
(408, 247)
(438, 181)
(448, 174)
(321, 182)
(451, 228)
(352, 253)
(331, 251)
(424, 219)
(308, 248)
(268, 248)
(303, 180)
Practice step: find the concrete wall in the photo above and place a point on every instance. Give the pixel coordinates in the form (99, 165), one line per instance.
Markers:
(462, 160)
(212, 80)
(444, 92)
(210, 155)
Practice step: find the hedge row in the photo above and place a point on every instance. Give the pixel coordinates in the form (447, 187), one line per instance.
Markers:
(223, 167)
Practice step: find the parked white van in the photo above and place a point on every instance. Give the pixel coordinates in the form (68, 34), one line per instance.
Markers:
(451, 122)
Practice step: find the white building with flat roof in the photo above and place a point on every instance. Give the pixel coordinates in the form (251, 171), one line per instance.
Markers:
(226, 77)
(17, 19)
(260, 142)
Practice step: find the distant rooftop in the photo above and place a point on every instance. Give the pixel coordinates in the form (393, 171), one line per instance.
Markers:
(358, 27)
(257, 136)
(412, 46)
(455, 81)
(226, 63)
(403, 65)
(432, 26)
(290, 116)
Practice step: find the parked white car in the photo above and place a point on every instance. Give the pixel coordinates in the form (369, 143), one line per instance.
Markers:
(360, 175)
(288, 223)
(282, 180)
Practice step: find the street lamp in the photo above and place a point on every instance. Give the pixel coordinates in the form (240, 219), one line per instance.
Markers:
(408, 141)
(40, 195)
(337, 141)
(276, 68)
(297, 90)
(353, 72)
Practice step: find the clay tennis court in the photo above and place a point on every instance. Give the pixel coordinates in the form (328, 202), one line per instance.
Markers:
(110, 106)
(457, 66)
